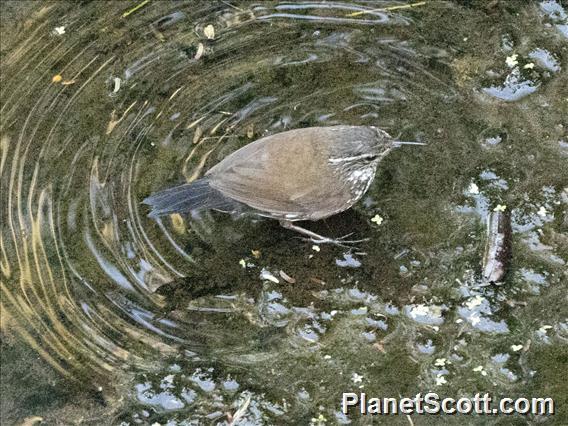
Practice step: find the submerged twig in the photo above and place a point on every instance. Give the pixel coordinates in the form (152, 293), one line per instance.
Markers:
(135, 8)
(240, 412)
(388, 9)
(232, 5)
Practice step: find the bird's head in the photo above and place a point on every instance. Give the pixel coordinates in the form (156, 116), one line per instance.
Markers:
(383, 143)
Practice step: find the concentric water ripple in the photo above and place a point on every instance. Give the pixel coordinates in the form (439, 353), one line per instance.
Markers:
(105, 103)
(134, 104)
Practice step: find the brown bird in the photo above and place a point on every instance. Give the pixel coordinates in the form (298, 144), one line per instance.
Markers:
(302, 174)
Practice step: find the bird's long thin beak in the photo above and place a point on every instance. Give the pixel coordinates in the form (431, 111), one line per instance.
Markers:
(396, 144)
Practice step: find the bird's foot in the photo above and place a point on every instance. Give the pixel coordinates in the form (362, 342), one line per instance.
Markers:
(340, 242)
(319, 239)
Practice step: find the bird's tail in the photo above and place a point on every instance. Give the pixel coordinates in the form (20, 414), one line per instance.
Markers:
(197, 195)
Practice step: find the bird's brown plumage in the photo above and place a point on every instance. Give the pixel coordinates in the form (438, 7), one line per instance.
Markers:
(294, 186)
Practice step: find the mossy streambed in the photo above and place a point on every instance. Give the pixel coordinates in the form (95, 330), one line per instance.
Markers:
(110, 317)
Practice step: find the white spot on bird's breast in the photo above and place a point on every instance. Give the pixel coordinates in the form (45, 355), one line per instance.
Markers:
(359, 181)
(363, 175)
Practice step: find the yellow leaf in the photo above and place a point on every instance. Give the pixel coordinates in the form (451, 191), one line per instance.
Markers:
(200, 50)
(178, 223)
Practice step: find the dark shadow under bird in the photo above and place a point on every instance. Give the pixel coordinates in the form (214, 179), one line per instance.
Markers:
(302, 174)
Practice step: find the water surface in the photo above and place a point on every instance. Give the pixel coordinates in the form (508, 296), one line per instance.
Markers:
(111, 317)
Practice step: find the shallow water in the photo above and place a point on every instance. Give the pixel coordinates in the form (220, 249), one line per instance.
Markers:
(109, 316)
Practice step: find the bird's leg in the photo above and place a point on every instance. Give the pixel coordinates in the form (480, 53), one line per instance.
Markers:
(315, 237)
(319, 239)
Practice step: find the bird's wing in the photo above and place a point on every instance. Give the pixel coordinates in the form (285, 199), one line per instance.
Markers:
(286, 182)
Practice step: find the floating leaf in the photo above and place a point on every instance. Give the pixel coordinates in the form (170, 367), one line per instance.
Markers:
(287, 277)
(197, 135)
(178, 223)
(250, 131)
(31, 421)
(200, 51)
(265, 274)
(117, 82)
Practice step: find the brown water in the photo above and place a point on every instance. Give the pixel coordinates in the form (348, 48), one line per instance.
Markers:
(109, 316)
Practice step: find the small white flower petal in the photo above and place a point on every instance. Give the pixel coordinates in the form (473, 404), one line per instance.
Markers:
(209, 31)
(440, 362)
(440, 380)
(356, 378)
(377, 219)
(511, 61)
